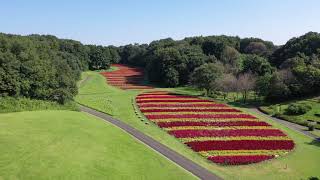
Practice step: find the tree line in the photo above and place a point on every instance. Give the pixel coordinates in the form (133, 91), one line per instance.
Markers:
(231, 64)
(45, 67)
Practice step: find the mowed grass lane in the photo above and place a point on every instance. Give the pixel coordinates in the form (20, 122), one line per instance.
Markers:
(74, 145)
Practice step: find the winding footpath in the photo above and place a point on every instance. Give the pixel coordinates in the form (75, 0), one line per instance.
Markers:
(182, 161)
(293, 126)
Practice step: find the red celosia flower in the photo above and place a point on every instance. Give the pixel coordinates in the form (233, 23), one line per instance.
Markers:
(199, 116)
(236, 160)
(228, 132)
(241, 145)
(222, 124)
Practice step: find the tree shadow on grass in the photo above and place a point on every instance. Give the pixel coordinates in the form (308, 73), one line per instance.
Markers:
(315, 142)
(248, 104)
(243, 105)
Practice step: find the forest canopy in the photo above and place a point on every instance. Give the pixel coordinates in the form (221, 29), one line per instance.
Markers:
(45, 67)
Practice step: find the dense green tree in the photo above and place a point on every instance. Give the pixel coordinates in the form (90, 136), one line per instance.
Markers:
(41, 67)
(212, 47)
(115, 57)
(307, 44)
(257, 46)
(230, 56)
(100, 58)
(9, 75)
(257, 65)
(204, 76)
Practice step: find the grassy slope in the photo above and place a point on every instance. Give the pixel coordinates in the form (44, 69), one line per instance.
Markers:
(299, 119)
(74, 145)
(301, 163)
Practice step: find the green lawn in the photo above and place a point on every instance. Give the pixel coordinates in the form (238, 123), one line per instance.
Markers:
(299, 164)
(74, 145)
(299, 119)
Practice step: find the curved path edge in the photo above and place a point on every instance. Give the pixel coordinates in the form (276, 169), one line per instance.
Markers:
(180, 160)
(293, 126)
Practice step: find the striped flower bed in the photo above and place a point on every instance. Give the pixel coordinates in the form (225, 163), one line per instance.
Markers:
(222, 134)
(126, 78)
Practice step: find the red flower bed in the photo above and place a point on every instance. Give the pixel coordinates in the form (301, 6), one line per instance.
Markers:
(222, 124)
(189, 110)
(181, 105)
(165, 96)
(172, 100)
(223, 133)
(126, 77)
(199, 116)
(237, 160)
(215, 130)
(241, 145)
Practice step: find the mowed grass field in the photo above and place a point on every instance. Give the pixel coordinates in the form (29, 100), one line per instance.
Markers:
(302, 163)
(314, 103)
(74, 145)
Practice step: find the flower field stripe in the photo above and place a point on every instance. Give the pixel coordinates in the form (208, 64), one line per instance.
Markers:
(156, 93)
(221, 124)
(184, 140)
(200, 116)
(177, 108)
(181, 105)
(192, 113)
(172, 100)
(224, 133)
(200, 120)
(237, 160)
(189, 110)
(242, 152)
(241, 145)
(216, 128)
(162, 96)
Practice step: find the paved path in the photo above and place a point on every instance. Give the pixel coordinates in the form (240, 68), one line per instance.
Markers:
(83, 81)
(296, 127)
(182, 161)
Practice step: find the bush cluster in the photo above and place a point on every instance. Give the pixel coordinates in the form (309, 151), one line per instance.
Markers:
(297, 109)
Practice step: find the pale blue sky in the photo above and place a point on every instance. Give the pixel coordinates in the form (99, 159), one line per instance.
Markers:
(121, 22)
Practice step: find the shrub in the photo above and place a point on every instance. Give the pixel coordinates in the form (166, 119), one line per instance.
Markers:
(297, 109)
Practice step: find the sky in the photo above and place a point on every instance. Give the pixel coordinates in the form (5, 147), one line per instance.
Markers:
(120, 22)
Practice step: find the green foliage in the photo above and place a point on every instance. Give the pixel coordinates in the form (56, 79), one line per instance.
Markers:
(297, 109)
(263, 84)
(257, 46)
(47, 68)
(307, 44)
(313, 178)
(256, 64)
(230, 56)
(37, 66)
(277, 89)
(171, 77)
(10, 104)
(133, 54)
(100, 57)
(204, 76)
